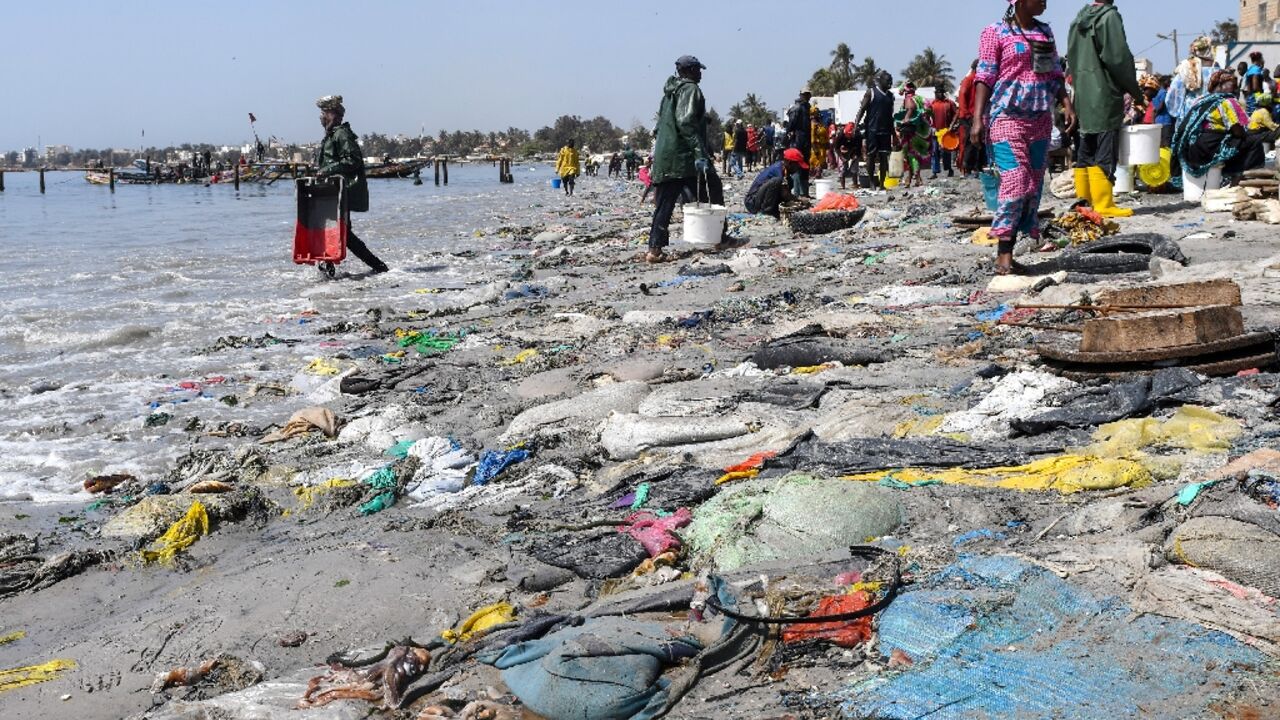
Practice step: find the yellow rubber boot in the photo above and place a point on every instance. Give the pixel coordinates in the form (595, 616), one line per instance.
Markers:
(1082, 184)
(1103, 195)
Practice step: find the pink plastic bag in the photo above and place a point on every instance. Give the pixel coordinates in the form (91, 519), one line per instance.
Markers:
(654, 532)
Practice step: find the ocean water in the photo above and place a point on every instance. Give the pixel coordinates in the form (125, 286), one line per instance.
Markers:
(108, 303)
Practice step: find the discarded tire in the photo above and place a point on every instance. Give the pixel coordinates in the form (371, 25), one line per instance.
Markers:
(1112, 256)
(821, 223)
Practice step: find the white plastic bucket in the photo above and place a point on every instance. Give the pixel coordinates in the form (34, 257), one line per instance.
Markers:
(1124, 179)
(704, 224)
(1140, 145)
(897, 164)
(823, 186)
(1193, 188)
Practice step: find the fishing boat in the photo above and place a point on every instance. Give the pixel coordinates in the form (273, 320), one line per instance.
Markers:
(395, 169)
(97, 177)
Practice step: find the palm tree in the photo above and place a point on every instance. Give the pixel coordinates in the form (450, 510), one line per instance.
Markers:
(866, 72)
(842, 63)
(753, 111)
(824, 83)
(929, 69)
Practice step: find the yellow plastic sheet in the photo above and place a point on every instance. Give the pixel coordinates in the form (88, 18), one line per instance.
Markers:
(812, 369)
(481, 620)
(983, 236)
(1190, 428)
(308, 495)
(14, 678)
(521, 357)
(1066, 474)
(180, 536)
(322, 366)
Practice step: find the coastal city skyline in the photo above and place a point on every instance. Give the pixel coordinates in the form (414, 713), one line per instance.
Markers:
(192, 75)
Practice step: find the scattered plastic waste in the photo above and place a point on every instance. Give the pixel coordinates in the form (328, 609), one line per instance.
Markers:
(846, 634)
(14, 678)
(1066, 474)
(427, 343)
(494, 462)
(304, 421)
(480, 621)
(654, 532)
(180, 536)
(383, 480)
(1020, 641)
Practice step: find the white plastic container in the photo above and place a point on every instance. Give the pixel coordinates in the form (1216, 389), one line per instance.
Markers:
(822, 186)
(1193, 188)
(704, 224)
(897, 164)
(1140, 145)
(1124, 179)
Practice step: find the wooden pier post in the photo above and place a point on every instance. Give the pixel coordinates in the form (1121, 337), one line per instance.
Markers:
(111, 178)
(1, 181)
(294, 167)
(437, 172)
(41, 181)
(237, 175)
(446, 171)
(417, 177)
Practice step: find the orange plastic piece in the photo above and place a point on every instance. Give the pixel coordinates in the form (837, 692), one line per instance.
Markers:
(755, 462)
(1091, 215)
(836, 201)
(848, 634)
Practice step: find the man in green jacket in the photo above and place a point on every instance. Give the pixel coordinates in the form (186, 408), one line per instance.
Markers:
(340, 155)
(682, 156)
(1102, 71)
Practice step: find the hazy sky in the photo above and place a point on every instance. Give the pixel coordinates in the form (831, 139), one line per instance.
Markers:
(95, 74)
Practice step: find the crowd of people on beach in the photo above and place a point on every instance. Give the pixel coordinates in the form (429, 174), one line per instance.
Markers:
(1021, 106)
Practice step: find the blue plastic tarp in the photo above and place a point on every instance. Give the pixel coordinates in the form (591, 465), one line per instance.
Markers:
(999, 637)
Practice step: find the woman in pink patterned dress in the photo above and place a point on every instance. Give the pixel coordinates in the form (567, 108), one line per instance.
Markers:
(1018, 84)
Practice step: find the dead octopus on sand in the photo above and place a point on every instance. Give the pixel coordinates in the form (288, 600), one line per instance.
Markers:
(402, 665)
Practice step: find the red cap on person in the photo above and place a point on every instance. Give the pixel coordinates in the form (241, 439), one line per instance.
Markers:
(794, 156)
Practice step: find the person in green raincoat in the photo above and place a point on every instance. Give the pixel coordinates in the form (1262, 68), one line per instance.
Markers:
(340, 155)
(1102, 71)
(682, 157)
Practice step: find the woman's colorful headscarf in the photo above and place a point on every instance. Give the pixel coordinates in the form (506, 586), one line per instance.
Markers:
(1149, 82)
(1220, 77)
(1202, 48)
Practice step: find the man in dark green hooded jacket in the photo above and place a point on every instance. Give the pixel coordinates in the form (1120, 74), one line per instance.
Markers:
(682, 164)
(340, 155)
(1102, 71)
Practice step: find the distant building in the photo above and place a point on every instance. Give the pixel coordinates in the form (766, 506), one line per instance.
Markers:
(52, 151)
(1259, 21)
(29, 155)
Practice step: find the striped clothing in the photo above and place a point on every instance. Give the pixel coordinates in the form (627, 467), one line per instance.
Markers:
(1228, 113)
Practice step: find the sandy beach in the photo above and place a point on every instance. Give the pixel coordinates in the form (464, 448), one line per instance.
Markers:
(567, 376)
